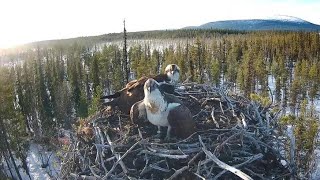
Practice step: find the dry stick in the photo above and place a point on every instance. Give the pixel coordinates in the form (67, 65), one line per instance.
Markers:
(116, 154)
(192, 97)
(101, 145)
(99, 150)
(196, 115)
(224, 142)
(198, 167)
(258, 116)
(145, 169)
(253, 158)
(256, 174)
(83, 177)
(196, 93)
(226, 166)
(214, 119)
(243, 119)
(222, 164)
(263, 144)
(184, 140)
(159, 168)
(140, 134)
(172, 151)
(164, 155)
(268, 121)
(199, 176)
(221, 108)
(93, 172)
(119, 161)
(194, 158)
(149, 168)
(179, 171)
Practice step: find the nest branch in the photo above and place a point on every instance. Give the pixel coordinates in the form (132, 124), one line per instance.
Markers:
(235, 137)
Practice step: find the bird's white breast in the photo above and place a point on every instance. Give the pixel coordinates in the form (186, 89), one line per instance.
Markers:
(160, 117)
(174, 78)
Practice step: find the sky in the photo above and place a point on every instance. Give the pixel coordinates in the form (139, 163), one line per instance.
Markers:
(23, 21)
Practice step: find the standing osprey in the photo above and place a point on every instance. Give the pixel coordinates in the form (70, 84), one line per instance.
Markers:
(133, 91)
(162, 109)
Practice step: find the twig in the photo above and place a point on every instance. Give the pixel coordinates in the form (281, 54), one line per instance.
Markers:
(213, 118)
(256, 174)
(164, 155)
(194, 158)
(117, 155)
(243, 119)
(145, 169)
(224, 165)
(93, 172)
(224, 142)
(199, 176)
(179, 171)
(253, 158)
(221, 108)
(119, 161)
(173, 151)
(159, 168)
(192, 97)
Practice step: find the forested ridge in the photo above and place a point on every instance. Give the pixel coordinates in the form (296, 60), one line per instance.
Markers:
(50, 85)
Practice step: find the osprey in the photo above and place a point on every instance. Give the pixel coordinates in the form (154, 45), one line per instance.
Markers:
(162, 109)
(133, 91)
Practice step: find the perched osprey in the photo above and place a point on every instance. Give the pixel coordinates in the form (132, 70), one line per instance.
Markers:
(162, 109)
(133, 91)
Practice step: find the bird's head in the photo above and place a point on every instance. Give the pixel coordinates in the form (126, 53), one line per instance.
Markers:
(153, 97)
(173, 72)
(151, 86)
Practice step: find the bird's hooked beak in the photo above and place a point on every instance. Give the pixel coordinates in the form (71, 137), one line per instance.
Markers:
(151, 85)
(172, 71)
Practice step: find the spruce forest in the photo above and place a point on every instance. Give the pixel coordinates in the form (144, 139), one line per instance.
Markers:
(51, 85)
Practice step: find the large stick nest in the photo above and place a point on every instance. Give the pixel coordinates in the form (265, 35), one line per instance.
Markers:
(236, 138)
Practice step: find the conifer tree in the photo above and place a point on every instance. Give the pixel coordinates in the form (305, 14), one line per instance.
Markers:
(125, 54)
(95, 71)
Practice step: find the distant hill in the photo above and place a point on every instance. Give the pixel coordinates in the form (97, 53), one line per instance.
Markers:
(275, 23)
(91, 41)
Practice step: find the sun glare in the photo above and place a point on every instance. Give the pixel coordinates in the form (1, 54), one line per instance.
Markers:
(9, 42)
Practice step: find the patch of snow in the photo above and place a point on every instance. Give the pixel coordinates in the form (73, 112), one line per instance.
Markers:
(37, 156)
(316, 173)
(317, 105)
(286, 18)
(9, 168)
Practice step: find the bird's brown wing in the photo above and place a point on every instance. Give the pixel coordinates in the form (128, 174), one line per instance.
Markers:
(161, 78)
(138, 84)
(129, 84)
(123, 90)
(181, 121)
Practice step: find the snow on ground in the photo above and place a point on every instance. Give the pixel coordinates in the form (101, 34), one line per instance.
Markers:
(7, 169)
(37, 157)
(316, 173)
(286, 18)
